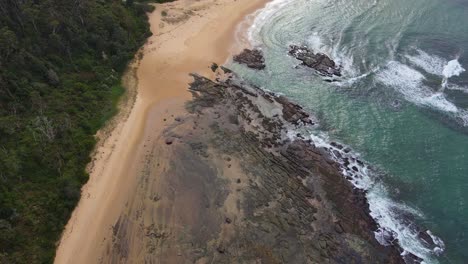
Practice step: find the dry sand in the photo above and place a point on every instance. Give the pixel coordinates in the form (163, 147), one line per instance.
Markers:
(188, 38)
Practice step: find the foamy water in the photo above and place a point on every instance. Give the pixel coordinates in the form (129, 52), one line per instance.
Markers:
(436, 65)
(261, 17)
(408, 80)
(319, 44)
(370, 41)
(393, 218)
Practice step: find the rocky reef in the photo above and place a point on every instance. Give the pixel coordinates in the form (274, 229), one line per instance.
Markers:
(252, 58)
(227, 183)
(297, 207)
(320, 62)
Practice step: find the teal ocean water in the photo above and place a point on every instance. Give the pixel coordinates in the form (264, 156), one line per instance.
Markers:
(401, 105)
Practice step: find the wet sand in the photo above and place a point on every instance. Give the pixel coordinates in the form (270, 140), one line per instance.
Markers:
(191, 36)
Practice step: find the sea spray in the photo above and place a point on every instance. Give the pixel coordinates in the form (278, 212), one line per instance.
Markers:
(453, 68)
(436, 65)
(395, 21)
(395, 220)
(327, 46)
(430, 63)
(409, 82)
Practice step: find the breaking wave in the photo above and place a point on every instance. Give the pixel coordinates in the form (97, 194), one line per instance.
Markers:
(436, 65)
(395, 220)
(317, 44)
(410, 83)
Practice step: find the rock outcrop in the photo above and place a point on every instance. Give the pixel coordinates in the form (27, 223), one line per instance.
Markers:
(320, 62)
(297, 206)
(232, 187)
(252, 58)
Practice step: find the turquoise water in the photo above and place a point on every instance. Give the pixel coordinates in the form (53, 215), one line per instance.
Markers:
(402, 103)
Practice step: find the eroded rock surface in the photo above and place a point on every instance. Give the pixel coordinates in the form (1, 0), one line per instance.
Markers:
(252, 58)
(320, 62)
(232, 188)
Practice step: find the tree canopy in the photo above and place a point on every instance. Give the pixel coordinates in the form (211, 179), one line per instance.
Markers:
(60, 68)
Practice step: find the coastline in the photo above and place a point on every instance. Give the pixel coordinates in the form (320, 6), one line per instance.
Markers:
(174, 50)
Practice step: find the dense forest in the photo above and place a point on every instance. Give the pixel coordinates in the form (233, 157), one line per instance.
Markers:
(60, 68)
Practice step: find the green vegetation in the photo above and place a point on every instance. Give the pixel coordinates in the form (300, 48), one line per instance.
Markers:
(60, 68)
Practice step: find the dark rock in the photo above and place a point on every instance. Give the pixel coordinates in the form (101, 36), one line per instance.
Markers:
(169, 141)
(320, 62)
(410, 258)
(228, 220)
(214, 66)
(424, 236)
(225, 70)
(292, 112)
(252, 58)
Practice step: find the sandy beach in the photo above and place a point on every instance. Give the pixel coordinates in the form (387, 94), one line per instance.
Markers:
(187, 37)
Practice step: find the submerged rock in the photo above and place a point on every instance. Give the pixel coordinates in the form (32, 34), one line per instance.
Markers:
(320, 62)
(252, 58)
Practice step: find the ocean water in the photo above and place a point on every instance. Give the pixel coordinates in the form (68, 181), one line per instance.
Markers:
(401, 105)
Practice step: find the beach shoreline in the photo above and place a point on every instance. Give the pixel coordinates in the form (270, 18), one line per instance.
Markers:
(187, 37)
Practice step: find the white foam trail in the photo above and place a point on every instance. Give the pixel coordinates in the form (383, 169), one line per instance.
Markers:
(430, 63)
(436, 65)
(393, 218)
(261, 17)
(409, 82)
(455, 87)
(353, 80)
(317, 44)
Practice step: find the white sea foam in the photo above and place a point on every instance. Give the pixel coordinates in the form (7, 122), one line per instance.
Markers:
(453, 68)
(436, 65)
(455, 87)
(395, 219)
(318, 44)
(409, 82)
(430, 63)
(261, 17)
